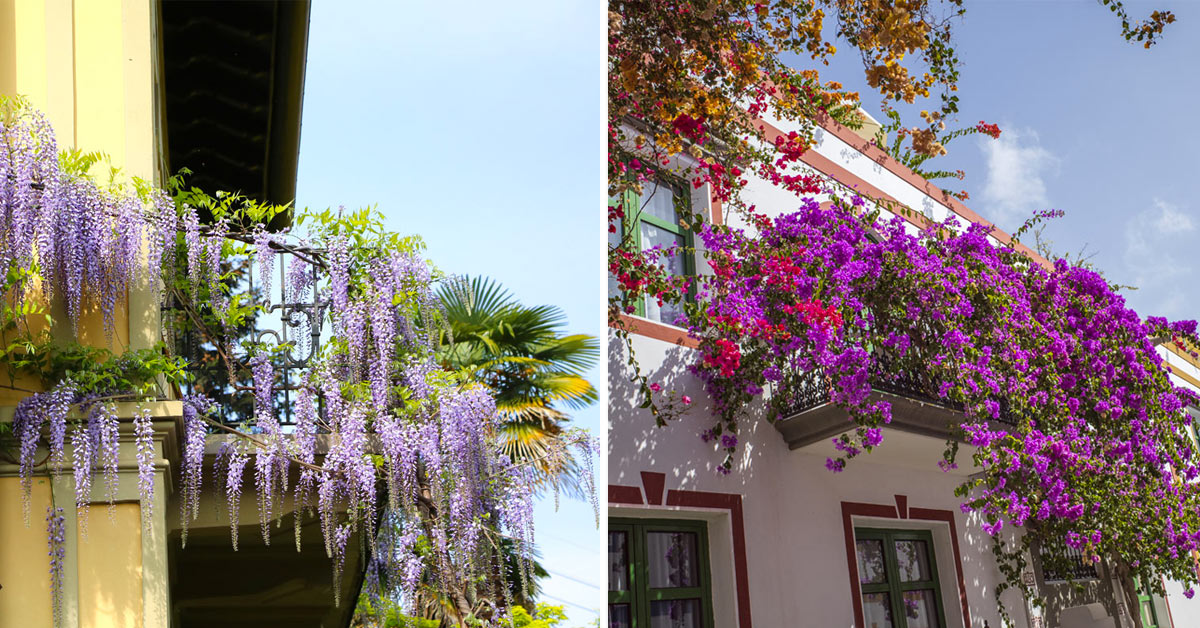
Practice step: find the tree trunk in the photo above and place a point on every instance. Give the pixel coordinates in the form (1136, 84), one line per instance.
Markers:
(1130, 590)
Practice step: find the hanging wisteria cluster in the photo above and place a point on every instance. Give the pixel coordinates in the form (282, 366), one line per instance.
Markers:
(1078, 432)
(81, 237)
(56, 542)
(384, 444)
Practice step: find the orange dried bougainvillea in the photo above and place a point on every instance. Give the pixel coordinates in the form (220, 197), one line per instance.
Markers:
(689, 80)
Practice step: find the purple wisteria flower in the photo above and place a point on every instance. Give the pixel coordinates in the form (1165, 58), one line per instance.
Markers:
(143, 429)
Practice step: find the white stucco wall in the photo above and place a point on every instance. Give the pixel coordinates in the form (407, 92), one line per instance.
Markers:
(795, 541)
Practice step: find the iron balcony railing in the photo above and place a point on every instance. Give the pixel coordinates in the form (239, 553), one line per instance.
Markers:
(289, 330)
(1077, 567)
(889, 374)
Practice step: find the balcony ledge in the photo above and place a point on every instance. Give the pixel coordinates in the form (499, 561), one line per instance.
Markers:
(923, 418)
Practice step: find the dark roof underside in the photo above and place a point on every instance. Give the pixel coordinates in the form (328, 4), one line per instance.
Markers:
(234, 85)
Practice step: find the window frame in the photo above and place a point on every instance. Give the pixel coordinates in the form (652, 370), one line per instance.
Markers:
(894, 587)
(640, 596)
(1146, 596)
(631, 232)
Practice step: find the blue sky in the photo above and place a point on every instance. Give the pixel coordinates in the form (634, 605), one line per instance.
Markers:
(479, 126)
(1092, 125)
(481, 129)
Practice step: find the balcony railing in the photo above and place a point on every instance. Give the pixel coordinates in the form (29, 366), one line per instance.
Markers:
(889, 375)
(811, 417)
(1077, 567)
(289, 330)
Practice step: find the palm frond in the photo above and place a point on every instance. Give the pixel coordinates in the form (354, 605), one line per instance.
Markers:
(533, 368)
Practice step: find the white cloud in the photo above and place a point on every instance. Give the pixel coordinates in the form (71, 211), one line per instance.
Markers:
(1016, 167)
(1170, 220)
(1155, 258)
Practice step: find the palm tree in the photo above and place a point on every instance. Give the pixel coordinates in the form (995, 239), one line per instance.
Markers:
(534, 369)
(536, 374)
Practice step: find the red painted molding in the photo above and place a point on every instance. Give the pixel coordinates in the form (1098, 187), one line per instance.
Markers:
(618, 494)
(654, 482)
(656, 330)
(876, 154)
(850, 509)
(902, 506)
(733, 503)
(1167, 601)
(948, 516)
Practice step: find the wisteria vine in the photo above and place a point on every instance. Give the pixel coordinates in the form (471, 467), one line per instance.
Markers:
(386, 445)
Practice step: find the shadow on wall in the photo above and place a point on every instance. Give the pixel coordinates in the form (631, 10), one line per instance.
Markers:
(636, 444)
(976, 549)
(1056, 594)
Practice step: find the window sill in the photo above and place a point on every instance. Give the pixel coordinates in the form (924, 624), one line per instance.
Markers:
(656, 330)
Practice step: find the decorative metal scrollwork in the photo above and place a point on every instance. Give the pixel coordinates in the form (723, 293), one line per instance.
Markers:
(811, 389)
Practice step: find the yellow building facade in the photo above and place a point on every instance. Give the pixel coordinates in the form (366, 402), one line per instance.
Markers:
(96, 68)
(89, 67)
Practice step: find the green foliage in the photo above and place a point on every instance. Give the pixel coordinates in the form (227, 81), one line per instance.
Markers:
(96, 370)
(387, 614)
(544, 616)
(362, 227)
(533, 368)
(384, 613)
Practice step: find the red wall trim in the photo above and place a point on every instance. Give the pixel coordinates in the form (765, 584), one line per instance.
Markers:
(877, 155)
(948, 516)
(718, 218)
(850, 509)
(874, 153)
(1167, 601)
(653, 483)
(618, 494)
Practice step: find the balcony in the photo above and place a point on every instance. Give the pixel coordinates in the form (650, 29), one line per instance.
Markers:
(912, 394)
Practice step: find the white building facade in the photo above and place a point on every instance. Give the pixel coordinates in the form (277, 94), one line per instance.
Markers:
(781, 540)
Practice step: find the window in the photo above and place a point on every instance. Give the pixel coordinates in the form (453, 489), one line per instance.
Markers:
(897, 576)
(1146, 605)
(652, 220)
(658, 574)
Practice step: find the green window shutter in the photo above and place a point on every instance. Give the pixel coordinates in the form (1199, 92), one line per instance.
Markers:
(1147, 606)
(639, 219)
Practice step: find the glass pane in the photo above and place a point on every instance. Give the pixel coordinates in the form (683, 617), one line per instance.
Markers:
(618, 616)
(674, 559)
(659, 201)
(651, 237)
(912, 560)
(871, 569)
(675, 614)
(614, 240)
(877, 610)
(618, 561)
(1148, 619)
(920, 609)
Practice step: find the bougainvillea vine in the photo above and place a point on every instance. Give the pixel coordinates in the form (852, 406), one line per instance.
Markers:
(1076, 430)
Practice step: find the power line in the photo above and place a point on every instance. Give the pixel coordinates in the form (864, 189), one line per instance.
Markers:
(591, 610)
(585, 583)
